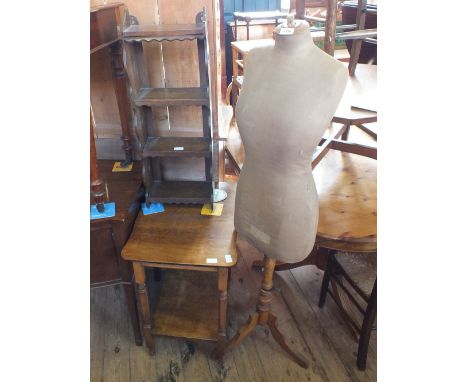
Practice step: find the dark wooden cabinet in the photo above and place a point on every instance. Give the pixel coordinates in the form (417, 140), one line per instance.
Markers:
(109, 235)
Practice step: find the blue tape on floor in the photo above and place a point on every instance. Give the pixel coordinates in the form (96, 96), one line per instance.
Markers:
(154, 208)
(109, 211)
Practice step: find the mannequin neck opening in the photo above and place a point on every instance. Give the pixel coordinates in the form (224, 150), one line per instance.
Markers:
(288, 42)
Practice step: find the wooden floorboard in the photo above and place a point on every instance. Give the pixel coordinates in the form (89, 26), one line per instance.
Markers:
(318, 334)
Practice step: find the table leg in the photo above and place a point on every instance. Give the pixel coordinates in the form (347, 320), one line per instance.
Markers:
(345, 135)
(145, 311)
(222, 310)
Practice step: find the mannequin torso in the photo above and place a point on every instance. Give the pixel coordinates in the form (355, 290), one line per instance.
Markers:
(289, 95)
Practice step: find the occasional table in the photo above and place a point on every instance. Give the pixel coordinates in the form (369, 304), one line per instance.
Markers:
(190, 305)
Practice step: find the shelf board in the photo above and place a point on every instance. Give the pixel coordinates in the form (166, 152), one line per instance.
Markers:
(164, 32)
(196, 192)
(176, 147)
(172, 97)
(187, 305)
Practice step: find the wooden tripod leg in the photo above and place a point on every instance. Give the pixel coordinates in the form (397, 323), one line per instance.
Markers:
(243, 332)
(263, 315)
(280, 340)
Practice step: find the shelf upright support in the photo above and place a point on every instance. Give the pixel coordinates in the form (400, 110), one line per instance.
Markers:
(121, 90)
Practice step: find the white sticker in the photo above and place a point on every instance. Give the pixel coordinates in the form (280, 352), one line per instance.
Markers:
(212, 261)
(286, 31)
(178, 148)
(228, 258)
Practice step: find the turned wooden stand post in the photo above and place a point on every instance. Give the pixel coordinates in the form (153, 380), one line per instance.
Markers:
(263, 316)
(142, 290)
(121, 91)
(97, 185)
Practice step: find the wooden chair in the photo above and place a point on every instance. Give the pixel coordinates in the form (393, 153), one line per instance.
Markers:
(359, 271)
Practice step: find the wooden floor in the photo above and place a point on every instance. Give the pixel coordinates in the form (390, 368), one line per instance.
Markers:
(319, 334)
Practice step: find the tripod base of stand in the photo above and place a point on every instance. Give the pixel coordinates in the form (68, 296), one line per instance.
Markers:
(264, 317)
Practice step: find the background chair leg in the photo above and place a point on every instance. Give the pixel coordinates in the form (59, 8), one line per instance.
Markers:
(325, 284)
(369, 318)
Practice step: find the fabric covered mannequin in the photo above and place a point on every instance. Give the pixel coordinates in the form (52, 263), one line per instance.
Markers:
(290, 92)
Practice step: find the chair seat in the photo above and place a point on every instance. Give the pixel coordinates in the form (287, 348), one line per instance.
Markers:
(360, 267)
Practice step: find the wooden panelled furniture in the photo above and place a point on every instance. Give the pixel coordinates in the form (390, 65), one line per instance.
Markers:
(109, 235)
(155, 148)
(105, 24)
(181, 240)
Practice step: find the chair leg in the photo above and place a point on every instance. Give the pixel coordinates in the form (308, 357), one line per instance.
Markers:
(369, 318)
(325, 282)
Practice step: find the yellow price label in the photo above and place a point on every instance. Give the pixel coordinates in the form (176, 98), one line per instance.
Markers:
(118, 167)
(218, 209)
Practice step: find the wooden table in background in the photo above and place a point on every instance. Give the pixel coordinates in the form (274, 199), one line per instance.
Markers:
(191, 305)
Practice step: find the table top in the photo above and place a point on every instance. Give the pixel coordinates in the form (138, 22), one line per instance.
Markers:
(181, 235)
(361, 89)
(347, 188)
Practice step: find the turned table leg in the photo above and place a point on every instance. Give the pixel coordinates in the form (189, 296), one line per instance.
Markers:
(145, 311)
(121, 92)
(97, 185)
(222, 309)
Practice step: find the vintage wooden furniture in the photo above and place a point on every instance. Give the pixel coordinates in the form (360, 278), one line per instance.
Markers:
(180, 239)
(109, 235)
(366, 20)
(153, 147)
(358, 34)
(248, 17)
(358, 271)
(105, 24)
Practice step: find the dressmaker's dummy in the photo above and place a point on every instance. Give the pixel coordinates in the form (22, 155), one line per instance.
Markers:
(290, 92)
